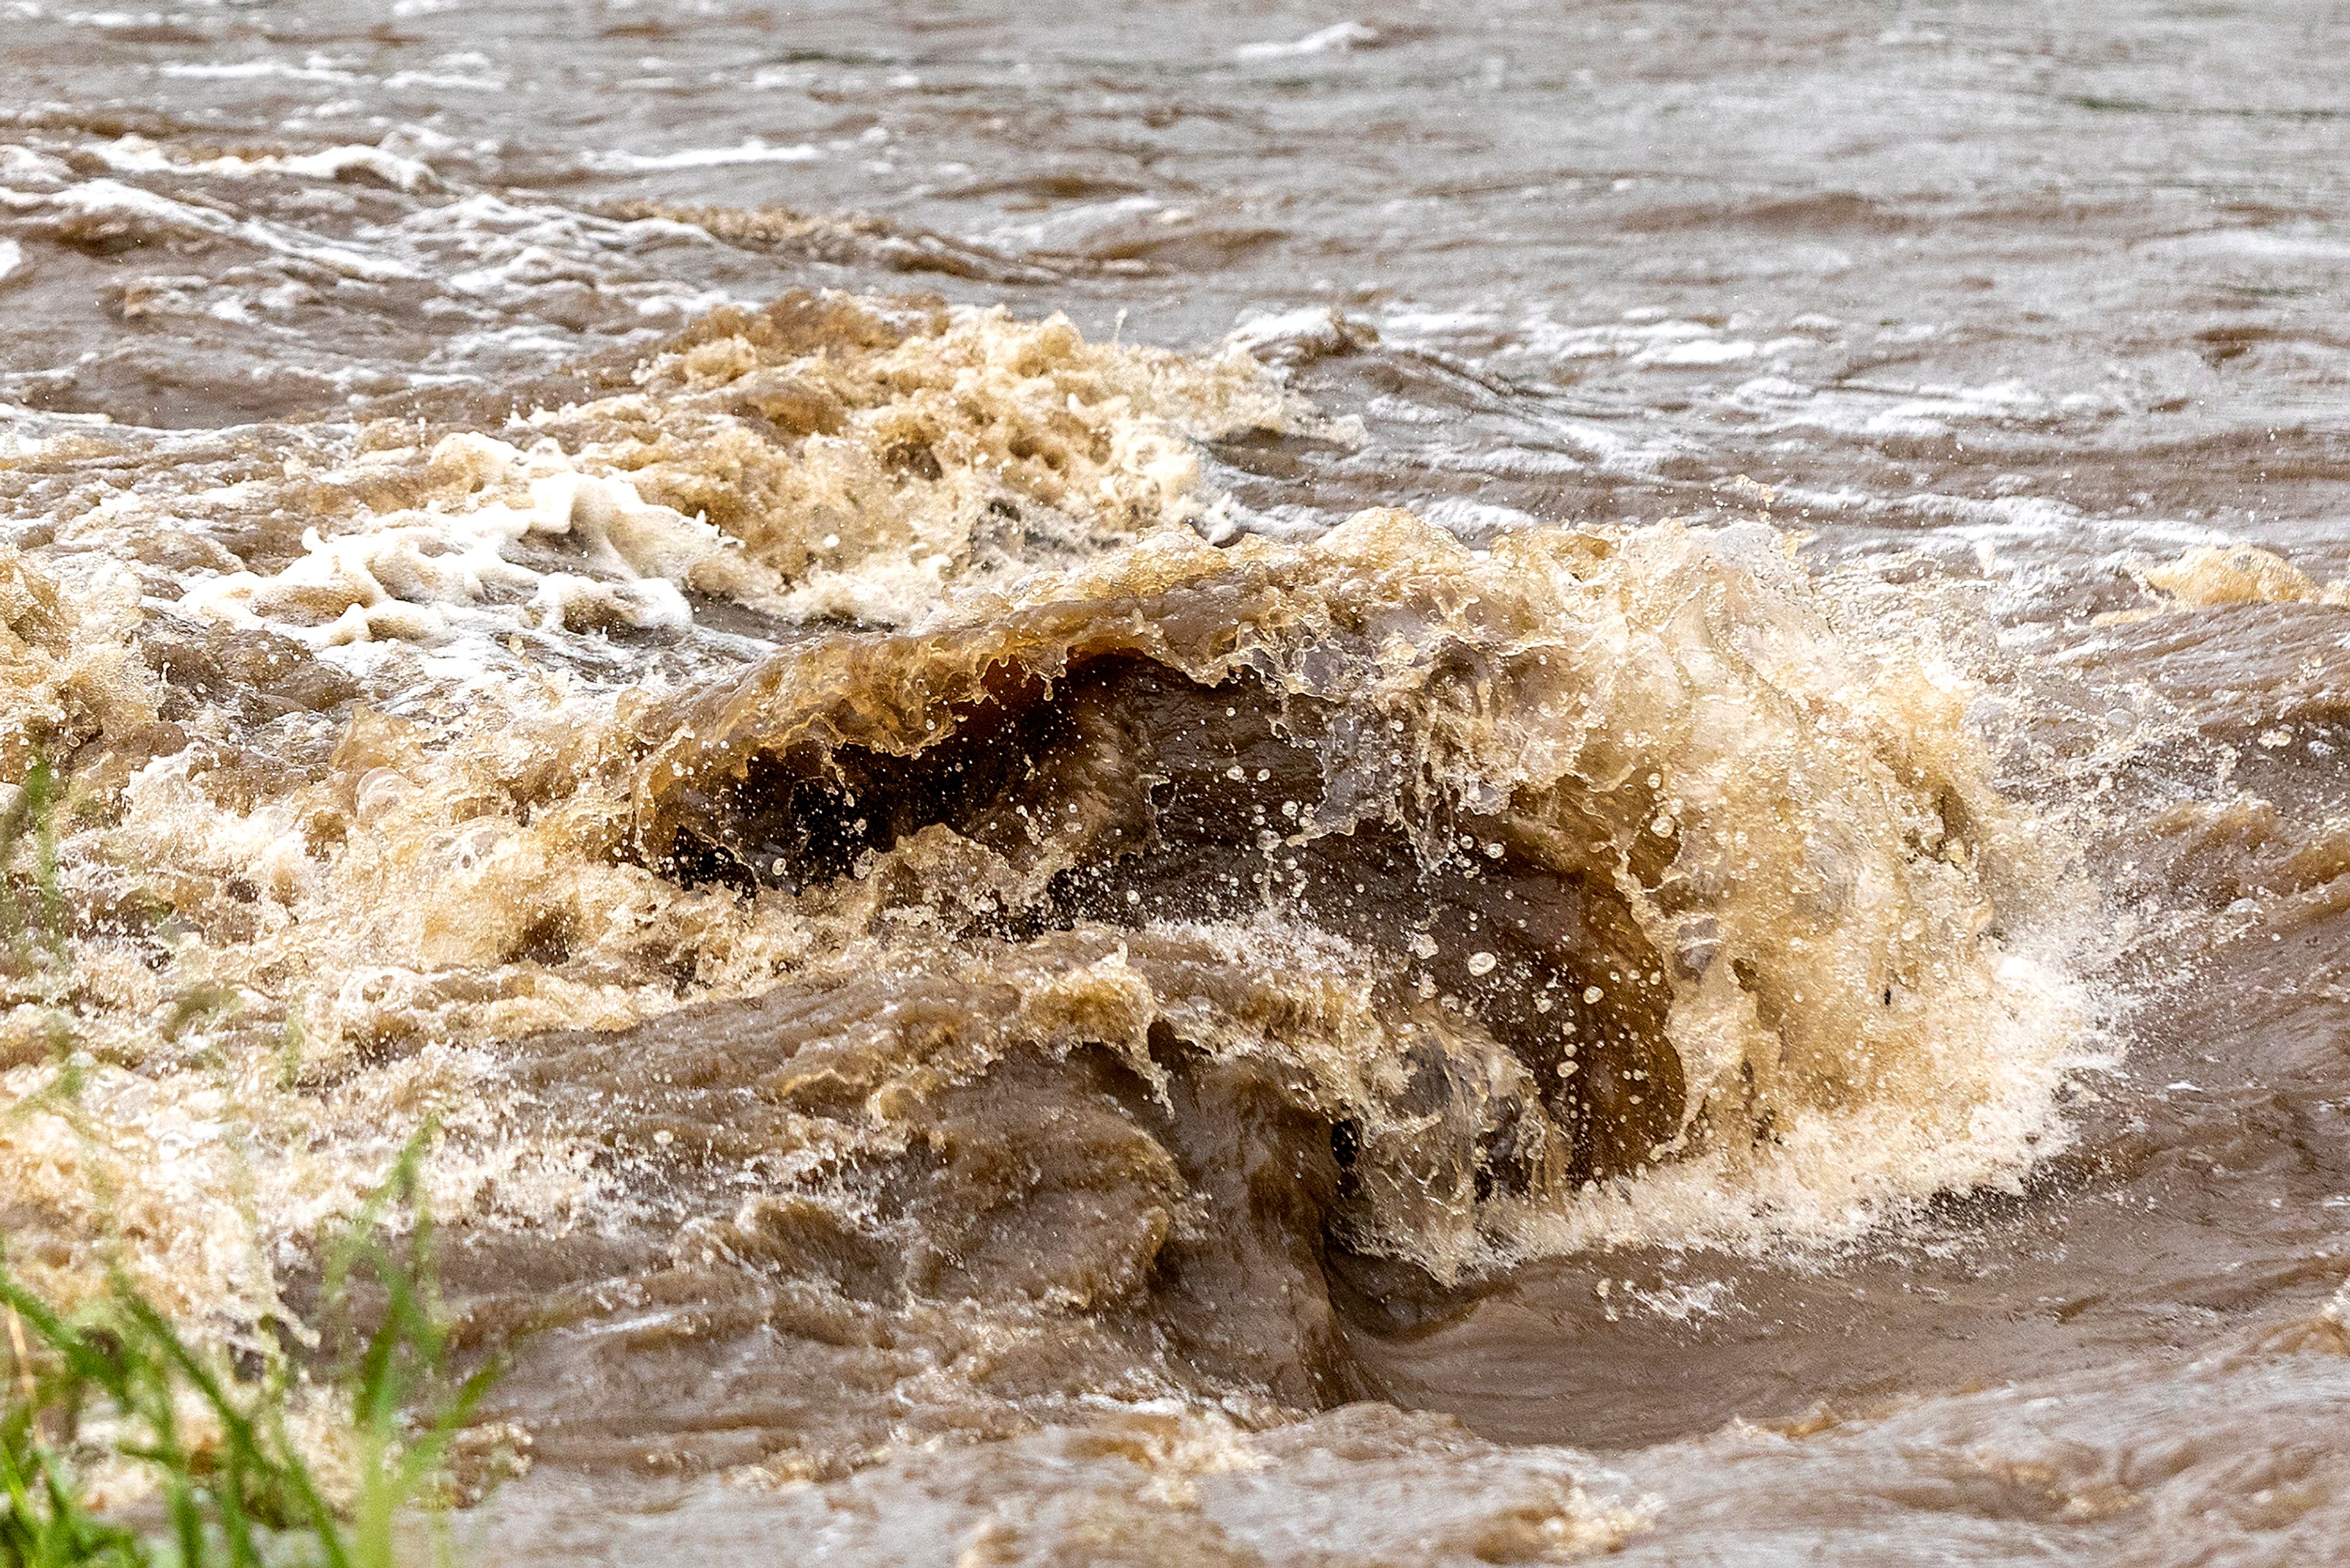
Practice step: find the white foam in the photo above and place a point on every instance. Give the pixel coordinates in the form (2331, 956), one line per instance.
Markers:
(1336, 39)
(414, 577)
(2256, 244)
(1071, 228)
(135, 154)
(1699, 351)
(100, 196)
(317, 69)
(455, 81)
(753, 151)
(1475, 522)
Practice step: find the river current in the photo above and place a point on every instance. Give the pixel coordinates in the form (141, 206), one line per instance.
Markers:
(1209, 784)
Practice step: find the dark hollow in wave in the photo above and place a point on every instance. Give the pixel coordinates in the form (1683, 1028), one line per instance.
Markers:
(1179, 801)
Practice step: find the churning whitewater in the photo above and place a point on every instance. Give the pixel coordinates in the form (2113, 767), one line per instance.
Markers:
(1061, 887)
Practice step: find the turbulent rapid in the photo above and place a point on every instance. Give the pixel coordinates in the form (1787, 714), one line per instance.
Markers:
(1398, 923)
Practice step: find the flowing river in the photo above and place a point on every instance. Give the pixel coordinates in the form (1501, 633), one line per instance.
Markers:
(1216, 784)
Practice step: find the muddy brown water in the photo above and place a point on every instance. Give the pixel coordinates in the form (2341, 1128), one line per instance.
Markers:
(1218, 785)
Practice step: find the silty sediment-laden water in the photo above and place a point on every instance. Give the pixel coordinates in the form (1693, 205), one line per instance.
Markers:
(1218, 785)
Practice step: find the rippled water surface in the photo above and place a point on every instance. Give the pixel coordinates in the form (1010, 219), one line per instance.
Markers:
(1212, 784)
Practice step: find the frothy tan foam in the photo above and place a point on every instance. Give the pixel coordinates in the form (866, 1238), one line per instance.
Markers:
(1605, 887)
(1835, 913)
(2238, 574)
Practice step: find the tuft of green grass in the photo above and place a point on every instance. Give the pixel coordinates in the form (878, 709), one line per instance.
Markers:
(116, 1381)
(113, 1385)
(37, 934)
